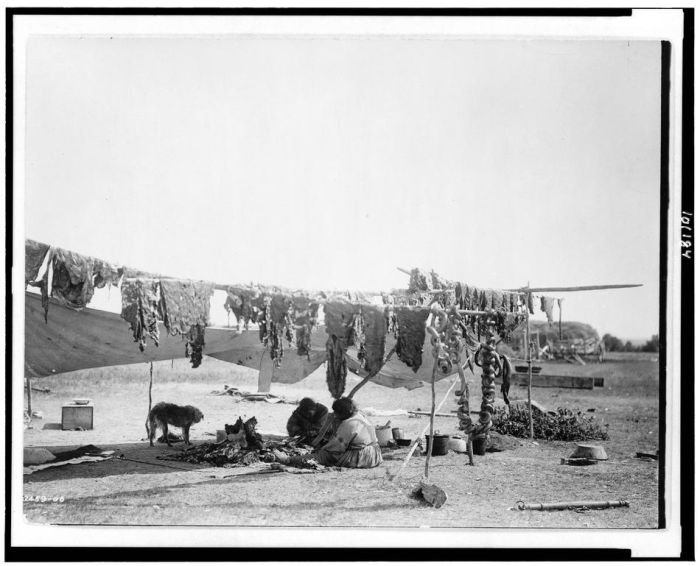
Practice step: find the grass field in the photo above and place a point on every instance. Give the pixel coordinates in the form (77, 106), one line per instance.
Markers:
(139, 490)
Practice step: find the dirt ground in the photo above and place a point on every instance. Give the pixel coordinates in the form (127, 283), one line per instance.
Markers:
(139, 489)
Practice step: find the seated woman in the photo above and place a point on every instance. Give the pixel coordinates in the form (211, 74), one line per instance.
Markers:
(353, 445)
(307, 420)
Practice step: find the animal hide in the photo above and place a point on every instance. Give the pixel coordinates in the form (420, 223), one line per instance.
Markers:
(506, 372)
(340, 327)
(374, 329)
(530, 303)
(34, 255)
(547, 306)
(106, 274)
(185, 304)
(411, 330)
(185, 310)
(141, 309)
(71, 284)
(241, 301)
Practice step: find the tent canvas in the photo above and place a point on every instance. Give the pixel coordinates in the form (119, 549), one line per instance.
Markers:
(89, 338)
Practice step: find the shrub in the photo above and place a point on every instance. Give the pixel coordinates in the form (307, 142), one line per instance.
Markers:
(652, 345)
(564, 425)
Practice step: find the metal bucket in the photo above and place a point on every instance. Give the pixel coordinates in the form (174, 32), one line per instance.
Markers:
(397, 433)
(479, 445)
(440, 444)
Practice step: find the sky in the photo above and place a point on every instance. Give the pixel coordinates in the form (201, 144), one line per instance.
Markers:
(329, 162)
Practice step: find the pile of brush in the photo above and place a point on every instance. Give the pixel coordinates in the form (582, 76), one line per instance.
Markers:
(562, 424)
(242, 446)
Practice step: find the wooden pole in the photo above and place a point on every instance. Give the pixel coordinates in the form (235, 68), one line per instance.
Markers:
(29, 395)
(559, 305)
(265, 371)
(577, 288)
(432, 421)
(150, 402)
(366, 379)
(416, 440)
(529, 370)
(150, 388)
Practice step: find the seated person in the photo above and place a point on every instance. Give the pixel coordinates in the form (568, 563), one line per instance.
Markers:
(353, 445)
(307, 420)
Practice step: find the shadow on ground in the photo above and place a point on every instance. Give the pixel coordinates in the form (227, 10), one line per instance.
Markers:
(131, 458)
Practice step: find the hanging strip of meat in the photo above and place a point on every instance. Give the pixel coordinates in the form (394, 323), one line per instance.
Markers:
(304, 315)
(420, 281)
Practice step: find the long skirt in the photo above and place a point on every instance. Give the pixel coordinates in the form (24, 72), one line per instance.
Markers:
(365, 457)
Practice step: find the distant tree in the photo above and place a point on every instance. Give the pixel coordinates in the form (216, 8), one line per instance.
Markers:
(629, 347)
(651, 345)
(613, 343)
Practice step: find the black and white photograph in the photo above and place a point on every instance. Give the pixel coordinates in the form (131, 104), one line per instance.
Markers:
(347, 279)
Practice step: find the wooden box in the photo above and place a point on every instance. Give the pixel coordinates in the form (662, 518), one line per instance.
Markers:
(77, 416)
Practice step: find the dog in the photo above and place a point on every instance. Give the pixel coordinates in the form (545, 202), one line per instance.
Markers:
(164, 414)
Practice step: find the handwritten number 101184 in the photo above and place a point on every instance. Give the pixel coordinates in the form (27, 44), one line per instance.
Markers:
(686, 235)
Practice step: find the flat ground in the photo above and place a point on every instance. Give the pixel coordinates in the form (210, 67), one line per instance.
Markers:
(142, 490)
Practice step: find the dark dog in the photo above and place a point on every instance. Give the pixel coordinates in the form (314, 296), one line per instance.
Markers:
(164, 414)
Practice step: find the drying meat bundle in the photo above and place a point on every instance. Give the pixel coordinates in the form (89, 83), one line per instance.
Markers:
(305, 316)
(242, 302)
(275, 323)
(194, 347)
